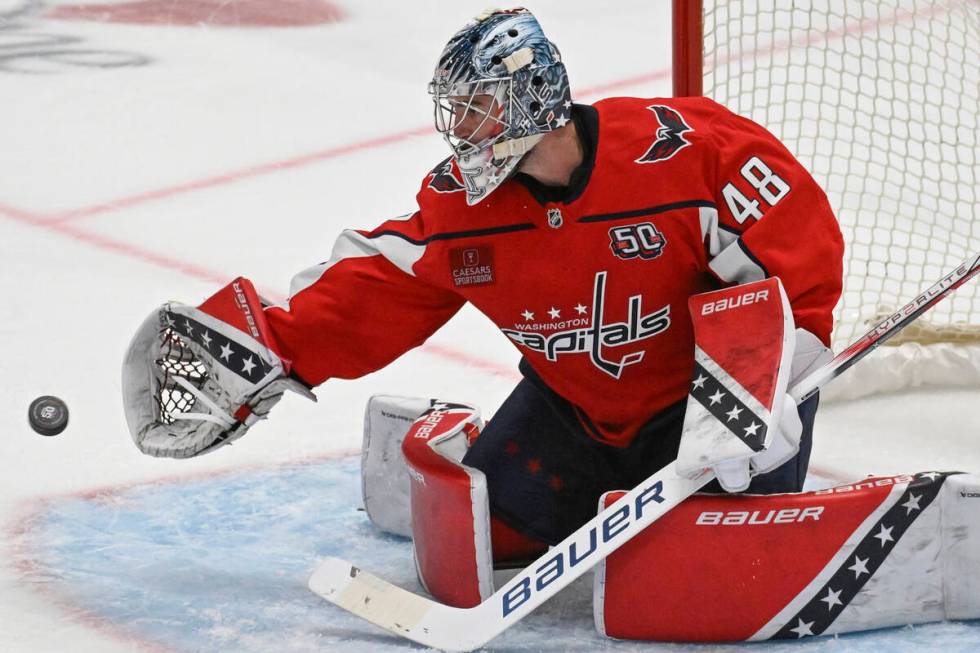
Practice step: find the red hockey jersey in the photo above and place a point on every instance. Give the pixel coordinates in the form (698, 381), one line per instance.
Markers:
(682, 196)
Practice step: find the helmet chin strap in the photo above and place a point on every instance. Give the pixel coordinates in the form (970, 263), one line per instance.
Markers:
(484, 171)
(515, 146)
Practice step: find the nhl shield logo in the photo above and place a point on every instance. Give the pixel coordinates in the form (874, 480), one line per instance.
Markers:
(554, 218)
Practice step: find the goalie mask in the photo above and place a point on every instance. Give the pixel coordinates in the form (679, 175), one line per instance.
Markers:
(499, 87)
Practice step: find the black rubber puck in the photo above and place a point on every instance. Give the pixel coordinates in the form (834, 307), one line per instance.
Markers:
(48, 415)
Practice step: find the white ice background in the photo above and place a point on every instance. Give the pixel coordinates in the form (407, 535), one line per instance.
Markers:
(244, 151)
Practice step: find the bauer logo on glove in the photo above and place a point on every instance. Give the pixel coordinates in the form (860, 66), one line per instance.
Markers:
(195, 379)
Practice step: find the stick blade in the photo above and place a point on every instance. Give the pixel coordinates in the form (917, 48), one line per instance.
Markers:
(383, 604)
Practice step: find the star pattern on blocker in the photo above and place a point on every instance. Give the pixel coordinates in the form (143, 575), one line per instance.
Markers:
(725, 406)
(878, 541)
(230, 354)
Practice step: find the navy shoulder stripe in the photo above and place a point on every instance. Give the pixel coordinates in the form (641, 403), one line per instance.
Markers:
(651, 210)
(455, 235)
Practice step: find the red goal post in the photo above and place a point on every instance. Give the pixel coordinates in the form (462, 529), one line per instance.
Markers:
(879, 100)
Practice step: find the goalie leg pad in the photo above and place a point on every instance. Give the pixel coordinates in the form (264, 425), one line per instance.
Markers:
(450, 514)
(385, 485)
(882, 552)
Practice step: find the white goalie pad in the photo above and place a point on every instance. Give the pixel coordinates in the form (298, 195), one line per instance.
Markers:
(961, 546)
(385, 486)
(384, 475)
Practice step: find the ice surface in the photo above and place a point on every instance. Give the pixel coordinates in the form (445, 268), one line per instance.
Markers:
(220, 564)
(220, 150)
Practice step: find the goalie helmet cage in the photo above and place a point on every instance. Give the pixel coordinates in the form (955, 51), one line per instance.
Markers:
(878, 99)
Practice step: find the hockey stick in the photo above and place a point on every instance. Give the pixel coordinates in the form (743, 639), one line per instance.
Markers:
(463, 629)
(885, 329)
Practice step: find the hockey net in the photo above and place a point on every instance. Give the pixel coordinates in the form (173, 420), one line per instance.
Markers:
(878, 99)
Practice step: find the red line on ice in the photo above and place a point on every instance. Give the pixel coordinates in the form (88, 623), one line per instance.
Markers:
(58, 221)
(242, 13)
(866, 25)
(259, 170)
(235, 176)
(120, 247)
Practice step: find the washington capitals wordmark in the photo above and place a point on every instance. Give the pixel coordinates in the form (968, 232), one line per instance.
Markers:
(593, 338)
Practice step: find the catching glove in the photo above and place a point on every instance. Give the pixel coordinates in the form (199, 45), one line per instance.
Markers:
(195, 379)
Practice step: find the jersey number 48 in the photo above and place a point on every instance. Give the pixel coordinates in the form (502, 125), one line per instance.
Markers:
(770, 186)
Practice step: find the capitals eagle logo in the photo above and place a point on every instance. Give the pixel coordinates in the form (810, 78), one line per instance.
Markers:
(670, 135)
(444, 179)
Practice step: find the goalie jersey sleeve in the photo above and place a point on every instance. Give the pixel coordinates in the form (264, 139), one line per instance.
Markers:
(363, 308)
(773, 221)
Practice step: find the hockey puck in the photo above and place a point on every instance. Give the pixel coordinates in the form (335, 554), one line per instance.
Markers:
(48, 415)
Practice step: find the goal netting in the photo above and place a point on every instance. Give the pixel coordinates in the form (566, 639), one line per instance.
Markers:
(879, 100)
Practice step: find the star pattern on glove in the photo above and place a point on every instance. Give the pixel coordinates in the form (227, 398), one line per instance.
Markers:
(241, 360)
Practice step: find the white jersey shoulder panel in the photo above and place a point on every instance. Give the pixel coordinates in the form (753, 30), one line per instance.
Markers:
(397, 249)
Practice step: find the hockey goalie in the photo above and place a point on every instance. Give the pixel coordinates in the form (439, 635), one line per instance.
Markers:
(665, 268)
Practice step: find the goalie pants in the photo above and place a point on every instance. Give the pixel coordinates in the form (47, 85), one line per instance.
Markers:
(545, 474)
